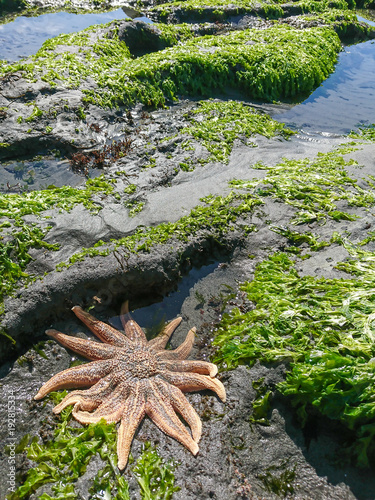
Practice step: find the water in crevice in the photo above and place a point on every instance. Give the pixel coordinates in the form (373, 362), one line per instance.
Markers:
(21, 176)
(157, 314)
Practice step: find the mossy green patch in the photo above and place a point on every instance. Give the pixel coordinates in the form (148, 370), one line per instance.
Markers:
(367, 133)
(220, 10)
(279, 481)
(17, 237)
(262, 403)
(324, 328)
(171, 34)
(134, 206)
(154, 476)
(313, 187)
(62, 460)
(264, 64)
(270, 64)
(216, 125)
(344, 22)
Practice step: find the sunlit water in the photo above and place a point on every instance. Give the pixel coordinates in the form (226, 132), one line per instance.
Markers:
(345, 100)
(25, 35)
(155, 315)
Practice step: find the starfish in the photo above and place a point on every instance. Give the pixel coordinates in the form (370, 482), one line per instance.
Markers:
(130, 377)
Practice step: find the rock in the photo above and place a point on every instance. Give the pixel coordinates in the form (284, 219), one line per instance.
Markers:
(141, 38)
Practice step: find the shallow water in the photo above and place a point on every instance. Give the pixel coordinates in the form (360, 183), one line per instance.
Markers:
(20, 176)
(155, 315)
(345, 100)
(25, 35)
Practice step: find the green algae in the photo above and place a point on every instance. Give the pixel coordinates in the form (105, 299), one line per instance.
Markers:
(270, 64)
(62, 460)
(313, 187)
(367, 133)
(263, 64)
(344, 22)
(218, 216)
(279, 482)
(134, 207)
(261, 404)
(324, 329)
(154, 476)
(220, 10)
(18, 237)
(216, 125)
(171, 34)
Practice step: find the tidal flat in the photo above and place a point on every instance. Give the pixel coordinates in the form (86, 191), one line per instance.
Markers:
(170, 158)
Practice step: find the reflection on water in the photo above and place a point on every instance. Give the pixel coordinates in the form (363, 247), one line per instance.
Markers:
(23, 176)
(25, 35)
(345, 100)
(152, 318)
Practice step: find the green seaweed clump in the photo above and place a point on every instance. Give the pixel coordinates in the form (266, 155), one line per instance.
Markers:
(280, 483)
(61, 461)
(367, 133)
(155, 478)
(18, 237)
(218, 124)
(324, 329)
(262, 403)
(270, 64)
(313, 187)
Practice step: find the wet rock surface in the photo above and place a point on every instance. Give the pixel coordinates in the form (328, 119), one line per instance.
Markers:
(237, 458)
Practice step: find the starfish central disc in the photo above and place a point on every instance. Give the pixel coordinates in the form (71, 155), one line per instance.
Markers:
(138, 363)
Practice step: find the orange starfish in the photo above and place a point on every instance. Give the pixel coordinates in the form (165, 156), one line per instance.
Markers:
(130, 377)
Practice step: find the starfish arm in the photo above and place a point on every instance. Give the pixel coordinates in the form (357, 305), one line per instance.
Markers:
(132, 330)
(182, 405)
(195, 366)
(86, 400)
(182, 351)
(195, 382)
(80, 403)
(161, 340)
(132, 415)
(104, 332)
(163, 415)
(110, 410)
(87, 348)
(78, 376)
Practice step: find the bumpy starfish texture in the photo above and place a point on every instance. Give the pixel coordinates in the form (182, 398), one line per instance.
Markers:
(130, 377)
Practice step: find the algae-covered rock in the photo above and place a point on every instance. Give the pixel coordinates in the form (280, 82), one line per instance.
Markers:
(205, 208)
(49, 102)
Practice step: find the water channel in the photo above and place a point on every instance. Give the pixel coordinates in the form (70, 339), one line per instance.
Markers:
(345, 100)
